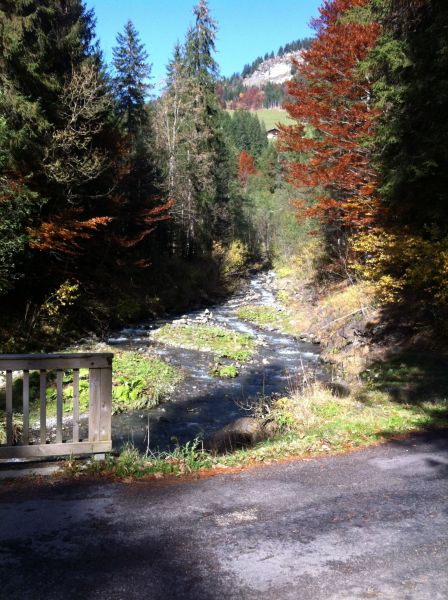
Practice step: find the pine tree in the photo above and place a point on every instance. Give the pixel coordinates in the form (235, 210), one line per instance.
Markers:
(183, 139)
(199, 49)
(132, 78)
(139, 205)
(40, 43)
(410, 64)
(198, 160)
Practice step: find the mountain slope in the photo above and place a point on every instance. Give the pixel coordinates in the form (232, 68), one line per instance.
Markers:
(275, 70)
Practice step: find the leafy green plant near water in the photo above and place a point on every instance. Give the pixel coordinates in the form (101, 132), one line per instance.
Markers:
(223, 343)
(137, 382)
(141, 381)
(225, 371)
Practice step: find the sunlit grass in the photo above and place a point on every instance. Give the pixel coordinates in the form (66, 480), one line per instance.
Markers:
(309, 422)
(266, 316)
(223, 343)
(314, 422)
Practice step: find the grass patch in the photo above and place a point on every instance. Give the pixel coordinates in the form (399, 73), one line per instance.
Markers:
(261, 315)
(138, 381)
(271, 117)
(130, 463)
(309, 422)
(266, 316)
(17, 426)
(409, 376)
(225, 371)
(223, 343)
(315, 422)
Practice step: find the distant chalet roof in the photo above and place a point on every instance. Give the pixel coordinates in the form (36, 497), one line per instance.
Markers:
(273, 132)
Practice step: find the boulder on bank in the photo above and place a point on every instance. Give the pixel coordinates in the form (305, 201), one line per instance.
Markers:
(242, 433)
(340, 389)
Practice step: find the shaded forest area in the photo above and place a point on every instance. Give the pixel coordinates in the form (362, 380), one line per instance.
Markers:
(116, 205)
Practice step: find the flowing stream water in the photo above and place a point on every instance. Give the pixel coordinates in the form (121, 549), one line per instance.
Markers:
(201, 403)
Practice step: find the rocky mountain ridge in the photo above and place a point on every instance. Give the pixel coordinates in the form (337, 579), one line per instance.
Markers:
(275, 70)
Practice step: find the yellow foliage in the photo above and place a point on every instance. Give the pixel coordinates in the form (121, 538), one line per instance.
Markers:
(65, 295)
(232, 259)
(302, 265)
(401, 262)
(351, 298)
(310, 252)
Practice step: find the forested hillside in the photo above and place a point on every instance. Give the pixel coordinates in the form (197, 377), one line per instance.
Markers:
(261, 83)
(115, 205)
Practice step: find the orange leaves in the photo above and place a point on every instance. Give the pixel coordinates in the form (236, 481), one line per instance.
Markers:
(158, 213)
(146, 220)
(246, 167)
(63, 233)
(331, 104)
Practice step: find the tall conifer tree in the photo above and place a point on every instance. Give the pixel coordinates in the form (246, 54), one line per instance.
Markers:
(138, 187)
(132, 78)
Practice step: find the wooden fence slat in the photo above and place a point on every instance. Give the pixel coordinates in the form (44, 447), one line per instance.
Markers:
(42, 450)
(94, 404)
(106, 404)
(48, 362)
(9, 427)
(59, 405)
(26, 408)
(43, 406)
(75, 405)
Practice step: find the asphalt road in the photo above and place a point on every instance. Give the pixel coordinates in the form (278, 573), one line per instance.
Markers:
(371, 524)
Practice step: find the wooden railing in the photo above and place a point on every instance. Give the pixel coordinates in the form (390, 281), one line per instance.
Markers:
(26, 445)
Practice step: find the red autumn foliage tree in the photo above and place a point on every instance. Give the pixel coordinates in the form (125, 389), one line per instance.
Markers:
(331, 105)
(246, 167)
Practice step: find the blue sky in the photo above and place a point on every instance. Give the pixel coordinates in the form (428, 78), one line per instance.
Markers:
(247, 28)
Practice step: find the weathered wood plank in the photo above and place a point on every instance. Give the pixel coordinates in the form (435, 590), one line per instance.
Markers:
(75, 405)
(59, 405)
(30, 362)
(44, 450)
(26, 408)
(94, 404)
(106, 405)
(9, 428)
(43, 406)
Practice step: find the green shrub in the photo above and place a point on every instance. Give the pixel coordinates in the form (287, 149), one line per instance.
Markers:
(226, 371)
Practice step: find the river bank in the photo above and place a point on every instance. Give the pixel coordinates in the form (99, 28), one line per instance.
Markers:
(283, 389)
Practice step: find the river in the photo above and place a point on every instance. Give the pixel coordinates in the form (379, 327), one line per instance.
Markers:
(201, 403)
